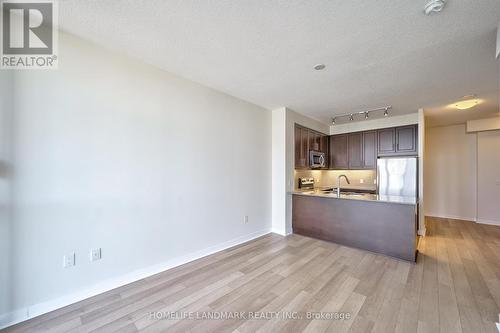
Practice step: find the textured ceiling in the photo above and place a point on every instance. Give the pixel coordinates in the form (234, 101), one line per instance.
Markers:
(377, 52)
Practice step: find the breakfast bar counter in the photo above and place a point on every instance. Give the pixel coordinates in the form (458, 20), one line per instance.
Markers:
(385, 225)
(358, 196)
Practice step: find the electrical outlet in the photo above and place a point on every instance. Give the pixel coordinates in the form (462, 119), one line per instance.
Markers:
(361, 180)
(95, 254)
(245, 219)
(69, 260)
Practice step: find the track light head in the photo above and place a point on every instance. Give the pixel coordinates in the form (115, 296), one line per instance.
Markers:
(333, 121)
(386, 113)
(351, 118)
(366, 115)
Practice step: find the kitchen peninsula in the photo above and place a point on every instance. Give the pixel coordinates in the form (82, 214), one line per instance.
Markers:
(379, 211)
(377, 223)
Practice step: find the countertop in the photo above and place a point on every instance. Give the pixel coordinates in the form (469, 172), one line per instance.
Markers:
(358, 196)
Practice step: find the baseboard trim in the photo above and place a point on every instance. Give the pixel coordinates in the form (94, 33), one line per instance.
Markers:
(463, 218)
(35, 310)
(453, 217)
(14, 317)
(279, 232)
(490, 222)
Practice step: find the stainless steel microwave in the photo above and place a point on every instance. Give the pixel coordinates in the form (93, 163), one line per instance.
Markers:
(316, 159)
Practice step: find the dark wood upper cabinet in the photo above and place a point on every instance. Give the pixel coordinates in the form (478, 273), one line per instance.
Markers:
(306, 140)
(397, 141)
(370, 150)
(355, 150)
(314, 140)
(386, 141)
(338, 152)
(324, 144)
(301, 147)
(406, 139)
(324, 147)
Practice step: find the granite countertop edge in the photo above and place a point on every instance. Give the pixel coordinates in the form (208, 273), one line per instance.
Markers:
(361, 197)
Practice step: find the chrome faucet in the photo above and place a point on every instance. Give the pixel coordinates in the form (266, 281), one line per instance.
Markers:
(338, 183)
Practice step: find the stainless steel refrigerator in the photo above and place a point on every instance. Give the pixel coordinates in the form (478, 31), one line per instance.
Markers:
(397, 176)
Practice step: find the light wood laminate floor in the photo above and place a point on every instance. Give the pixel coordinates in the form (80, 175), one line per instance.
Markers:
(453, 287)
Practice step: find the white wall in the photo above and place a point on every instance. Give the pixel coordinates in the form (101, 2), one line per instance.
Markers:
(450, 173)
(488, 177)
(421, 172)
(113, 153)
(279, 171)
(488, 124)
(6, 108)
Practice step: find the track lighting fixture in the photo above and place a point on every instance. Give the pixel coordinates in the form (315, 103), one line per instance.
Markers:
(365, 113)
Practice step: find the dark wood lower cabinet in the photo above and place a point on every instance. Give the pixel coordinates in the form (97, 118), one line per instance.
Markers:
(386, 228)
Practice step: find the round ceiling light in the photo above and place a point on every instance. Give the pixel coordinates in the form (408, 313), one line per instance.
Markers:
(434, 6)
(466, 102)
(319, 67)
(464, 105)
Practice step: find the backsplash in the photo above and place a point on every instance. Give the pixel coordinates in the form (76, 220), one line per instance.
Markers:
(360, 179)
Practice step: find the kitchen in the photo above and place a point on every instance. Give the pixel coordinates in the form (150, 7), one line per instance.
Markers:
(358, 189)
